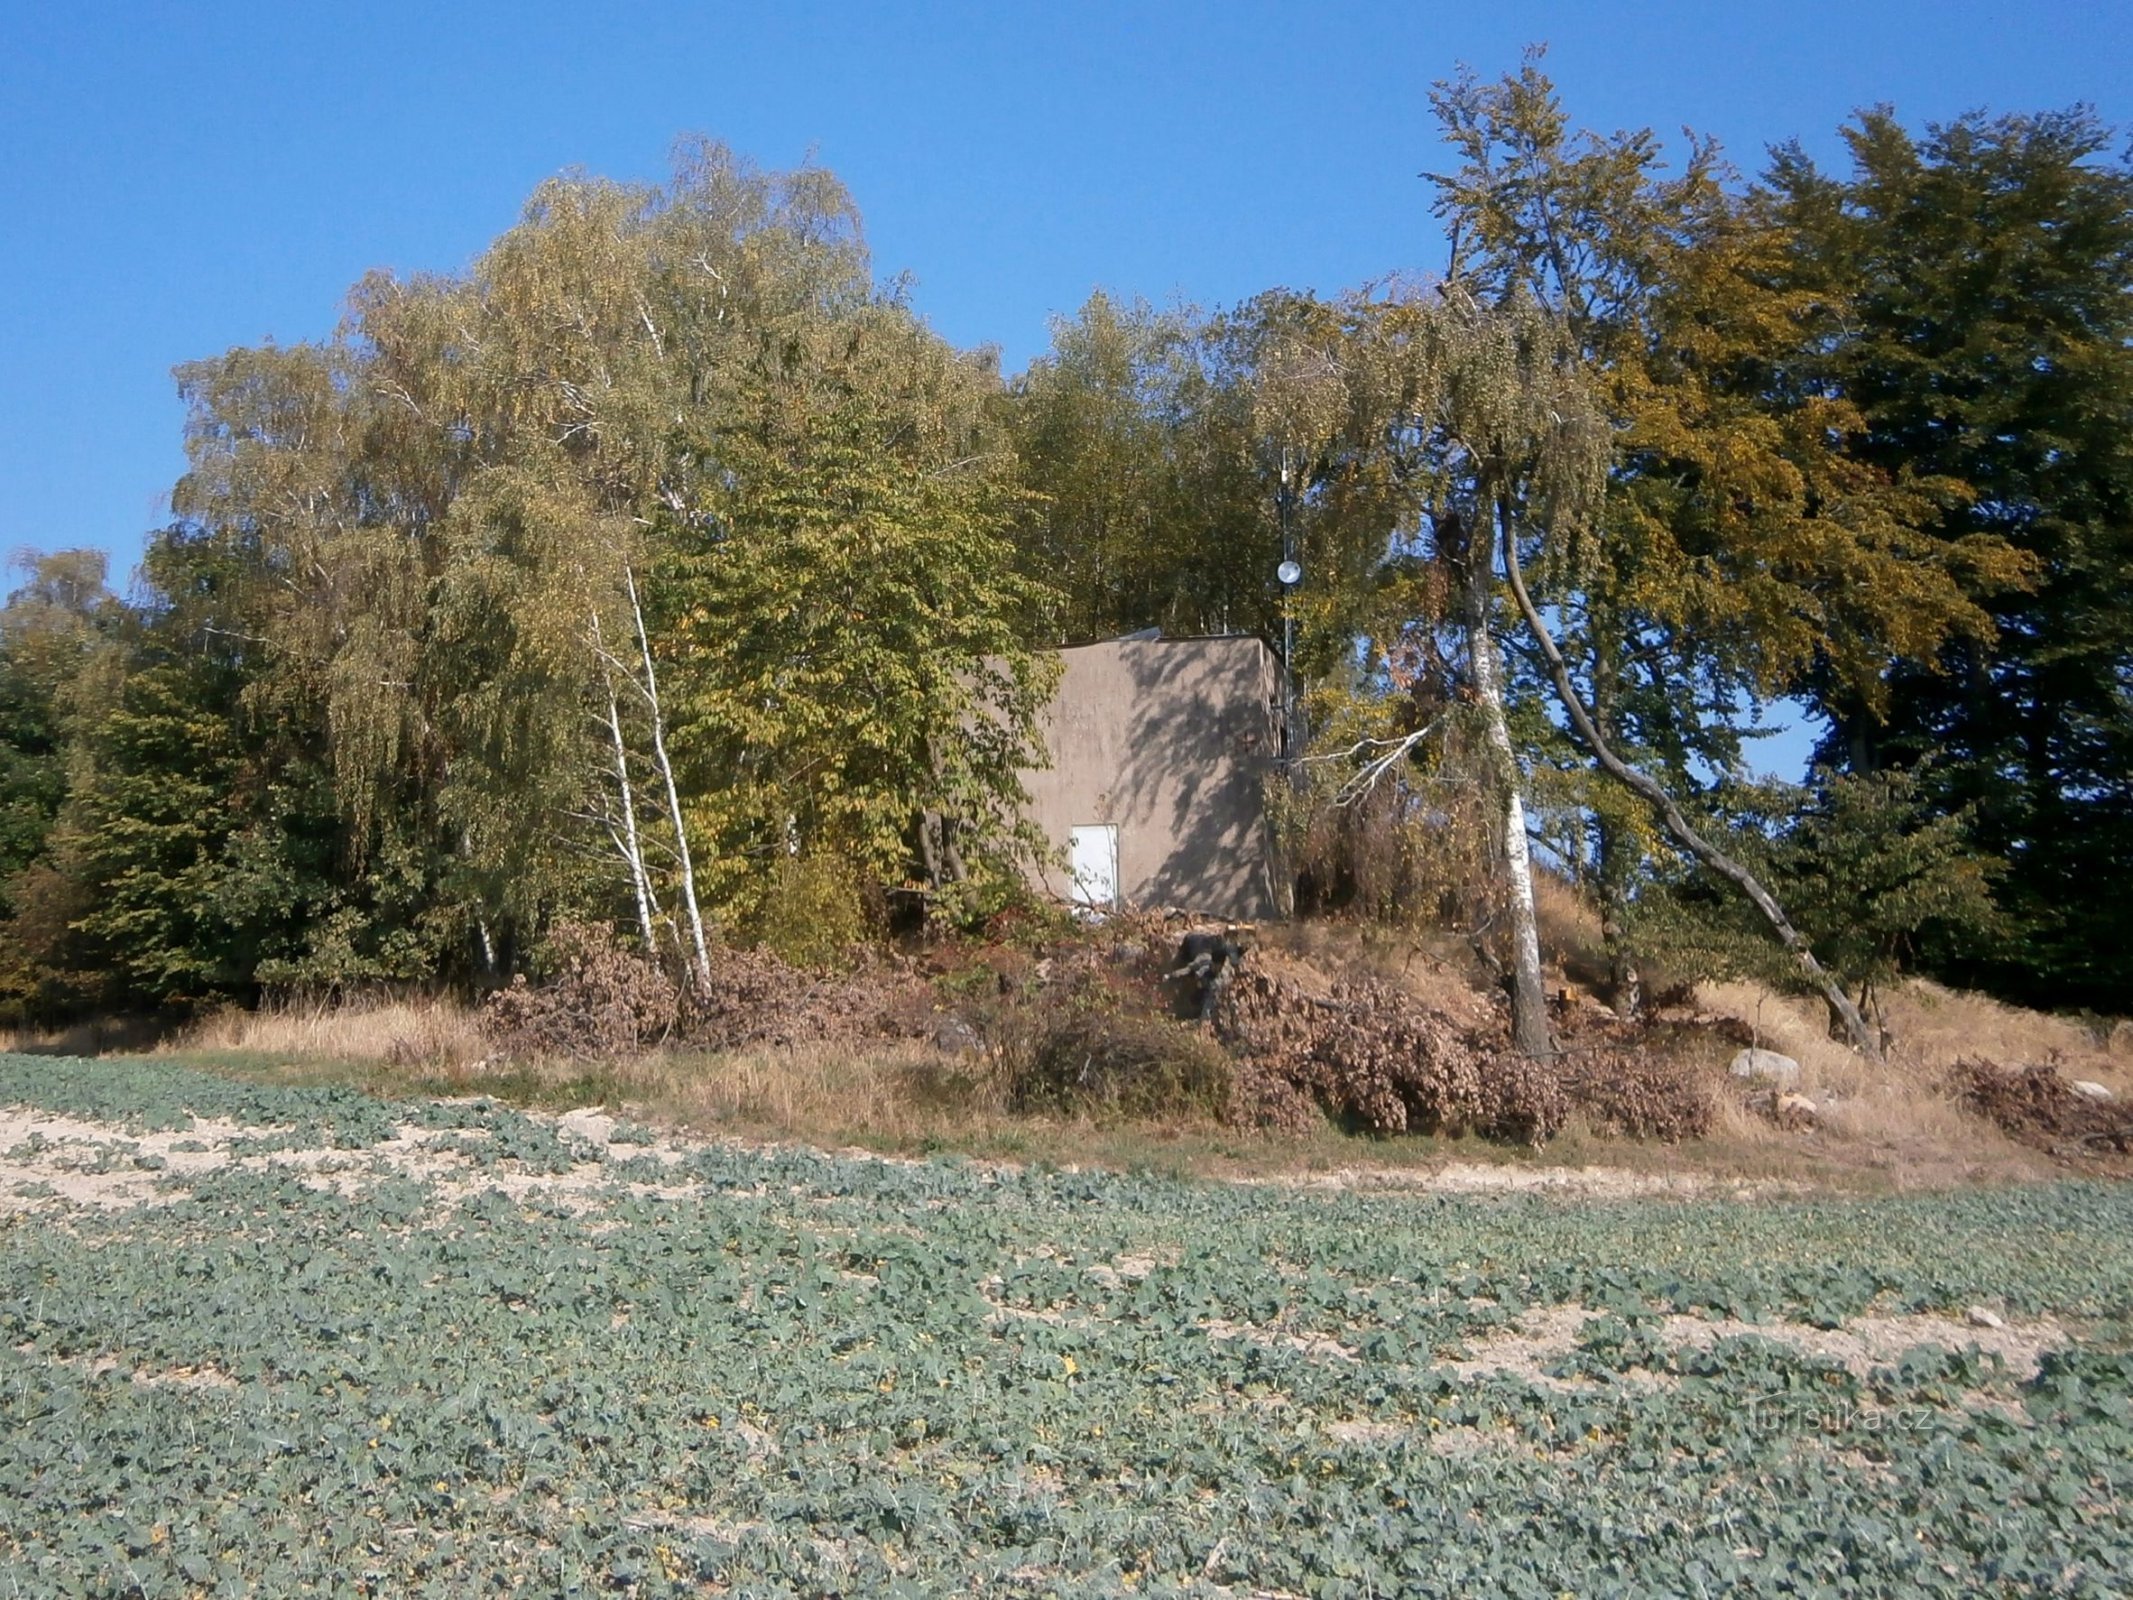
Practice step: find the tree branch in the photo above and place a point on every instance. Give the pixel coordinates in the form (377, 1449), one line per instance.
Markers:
(1367, 778)
(1677, 825)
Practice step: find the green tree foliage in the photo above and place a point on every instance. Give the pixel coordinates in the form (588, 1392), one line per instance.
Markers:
(1746, 528)
(49, 630)
(1750, 545)
(1981, 283)
(55, 631)
(388, 707)
(1173, 456)
(841, 607)
(1103, 428)
(1880, 876)
(664, 563)
(1880, 873)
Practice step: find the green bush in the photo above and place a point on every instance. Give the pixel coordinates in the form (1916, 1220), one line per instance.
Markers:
(1105, 1060)
(813, 911)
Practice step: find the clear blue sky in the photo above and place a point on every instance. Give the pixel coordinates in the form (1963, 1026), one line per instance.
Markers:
(179, 178)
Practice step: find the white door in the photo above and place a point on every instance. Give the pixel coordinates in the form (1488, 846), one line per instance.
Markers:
(1093, 859)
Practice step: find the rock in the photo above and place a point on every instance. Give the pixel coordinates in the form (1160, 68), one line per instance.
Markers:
(1979, 1317)
(2089, 1089)
(1766, 1066)
(588, 1122)
(953, 1036)
(1796, 1111)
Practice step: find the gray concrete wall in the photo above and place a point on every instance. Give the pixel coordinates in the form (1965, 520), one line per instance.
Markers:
(1172, 740)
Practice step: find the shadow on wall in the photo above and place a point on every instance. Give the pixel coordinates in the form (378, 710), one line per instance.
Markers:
(1189, 789)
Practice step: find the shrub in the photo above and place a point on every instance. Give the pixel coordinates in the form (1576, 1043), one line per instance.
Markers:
(2040, 1108)
(1366, 1053)
(1111, 1061)
(1639, 1094)
(812, 912)
(755, 997)
(595, 999)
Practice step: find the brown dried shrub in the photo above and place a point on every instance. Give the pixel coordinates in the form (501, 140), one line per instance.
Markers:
(1522, 1101)
(757, 998)
(1640, 1095)
(2040, 1108)
(1366, 1053)
(595, 999)
(1262, 1099)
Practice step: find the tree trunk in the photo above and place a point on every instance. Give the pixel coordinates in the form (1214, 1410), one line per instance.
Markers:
(938, 831)
(1625, 982)
(1841, 1008)
(1615, 862)
(1529, 1000)
(666, 774)
(630, 842)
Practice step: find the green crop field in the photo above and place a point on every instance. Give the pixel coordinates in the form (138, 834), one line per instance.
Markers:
(316, 1343)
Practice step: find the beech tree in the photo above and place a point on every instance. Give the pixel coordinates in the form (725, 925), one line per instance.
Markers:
(1745, 547)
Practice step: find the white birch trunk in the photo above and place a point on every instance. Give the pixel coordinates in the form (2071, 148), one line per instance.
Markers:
(629, 843)
(632, 846)
(1529, 1001)
(666, 774)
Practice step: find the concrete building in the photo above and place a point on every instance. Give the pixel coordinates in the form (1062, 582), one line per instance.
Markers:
(1162, 751)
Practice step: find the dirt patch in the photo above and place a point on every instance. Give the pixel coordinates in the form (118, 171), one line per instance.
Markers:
(1363, 1431)
(1865, 1343)
(1132, 1268)
(185, 1377)
(1541, 1337)
(1456, 1440)
(1526, 1349)
(1316, 1346)
(47, 1160)
(77, 1163)
(45, 1156)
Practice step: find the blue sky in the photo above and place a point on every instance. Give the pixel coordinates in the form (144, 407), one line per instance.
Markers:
(178, 178)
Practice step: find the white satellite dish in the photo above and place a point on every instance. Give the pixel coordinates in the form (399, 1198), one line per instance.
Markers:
(1289, 572)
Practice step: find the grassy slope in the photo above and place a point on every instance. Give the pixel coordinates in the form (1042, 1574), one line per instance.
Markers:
(794, 1373)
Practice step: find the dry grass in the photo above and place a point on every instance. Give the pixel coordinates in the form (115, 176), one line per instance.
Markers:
(1945, 1024)
(409, 1033)
(899, 1094)
(1897, 1116)
(1437, 968)
(1891, 1125)
(93, 1036)
(1570, 937)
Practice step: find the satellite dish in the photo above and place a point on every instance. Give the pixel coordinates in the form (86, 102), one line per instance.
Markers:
(1289, 572)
